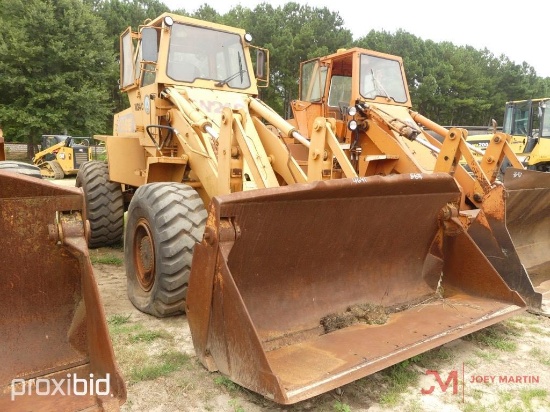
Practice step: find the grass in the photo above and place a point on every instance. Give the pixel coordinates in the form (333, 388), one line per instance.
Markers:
(120, 326)
(515, 401)
(488, 356)
(474, 407)
(132, 342)
(530, 323)
(542, 356)
(107, 259)
(236, 406)
(524, 319)
(117, 320)
(397, 379)
(496, 336)
(537, 330)
(231, 386)
(158, 366)
(122, 329)
(147, 336)
(527, 396)
(341, 407)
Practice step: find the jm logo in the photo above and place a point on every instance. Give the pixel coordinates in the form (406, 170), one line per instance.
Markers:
(452, 378)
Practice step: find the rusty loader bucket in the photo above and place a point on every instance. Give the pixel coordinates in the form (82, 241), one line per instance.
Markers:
(298, 290)
(55, 346)
(528, 221)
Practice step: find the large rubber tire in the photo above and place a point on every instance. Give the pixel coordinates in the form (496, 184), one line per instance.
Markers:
(164, 222)
(21, 168)
(104, 204)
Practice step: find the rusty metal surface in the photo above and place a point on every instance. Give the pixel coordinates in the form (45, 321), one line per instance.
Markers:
(287, 258)
(51, 318)
(528, 214)
(528, 221)
(491, 235)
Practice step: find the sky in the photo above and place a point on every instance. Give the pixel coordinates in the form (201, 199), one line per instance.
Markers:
(518, 33)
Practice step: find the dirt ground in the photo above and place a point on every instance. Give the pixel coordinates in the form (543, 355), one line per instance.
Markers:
(505, 367)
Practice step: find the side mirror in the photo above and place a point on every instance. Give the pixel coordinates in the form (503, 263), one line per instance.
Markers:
(261, 63)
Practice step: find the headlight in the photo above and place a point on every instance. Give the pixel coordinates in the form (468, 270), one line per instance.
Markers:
(352, 110)
(169, 21)
(352, 125)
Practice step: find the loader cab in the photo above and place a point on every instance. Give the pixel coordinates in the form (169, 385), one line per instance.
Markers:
(527, 118)
(527, 121)
(200, 59)
(203, 53)
(381, 77)
(330, 86)
(49, 140)
(520, 119)
(176, 50)
(528, 124)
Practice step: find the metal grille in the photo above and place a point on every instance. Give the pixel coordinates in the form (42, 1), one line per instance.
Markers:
(79, 158)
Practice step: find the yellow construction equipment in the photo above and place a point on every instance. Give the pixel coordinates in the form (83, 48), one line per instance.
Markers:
(303, 279)
(56, 350)
(366, 95)
(62, 155)
(528, 124)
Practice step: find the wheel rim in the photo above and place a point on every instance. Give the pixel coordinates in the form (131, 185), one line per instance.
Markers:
(144, 255)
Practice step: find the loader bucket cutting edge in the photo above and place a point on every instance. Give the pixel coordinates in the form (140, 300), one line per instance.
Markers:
(298, 290)
(528, 221)
(51, 319)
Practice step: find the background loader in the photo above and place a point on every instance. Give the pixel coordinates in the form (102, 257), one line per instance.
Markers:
(528, 124)
(295, 280)
(56, 350)
(62, 155)
(366, 96)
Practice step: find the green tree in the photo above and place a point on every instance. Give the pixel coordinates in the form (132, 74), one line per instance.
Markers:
(55, 61)
(205, 12)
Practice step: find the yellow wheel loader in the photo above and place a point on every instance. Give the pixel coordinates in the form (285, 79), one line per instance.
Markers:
(295, 278)
(56, 350)
(365, 94)
(528, 124)
(62, 155)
